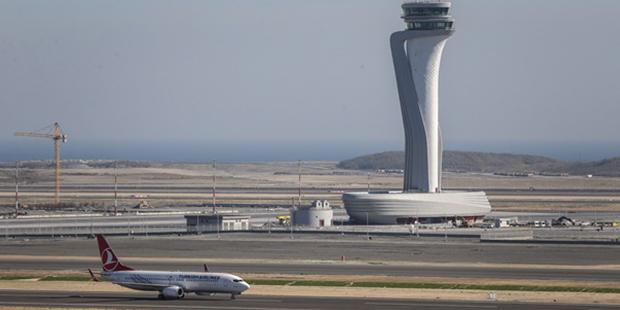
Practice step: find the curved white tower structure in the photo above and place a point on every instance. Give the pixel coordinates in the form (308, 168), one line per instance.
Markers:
(416, 53)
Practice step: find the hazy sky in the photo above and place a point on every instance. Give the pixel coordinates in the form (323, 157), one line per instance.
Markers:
(515, 73)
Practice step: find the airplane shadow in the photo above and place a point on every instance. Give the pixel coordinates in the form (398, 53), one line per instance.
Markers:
(94, 298)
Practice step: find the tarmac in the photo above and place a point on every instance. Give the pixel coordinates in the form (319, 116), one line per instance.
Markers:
(268, 247)
(139, 300)
(80, 264)
(321, 255)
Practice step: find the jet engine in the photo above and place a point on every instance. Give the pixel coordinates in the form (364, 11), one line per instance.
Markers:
(173, 292)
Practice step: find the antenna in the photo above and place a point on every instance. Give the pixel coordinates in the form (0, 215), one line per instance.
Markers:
(115, 189)
(213, 188)
(16, 188)
(299, 189)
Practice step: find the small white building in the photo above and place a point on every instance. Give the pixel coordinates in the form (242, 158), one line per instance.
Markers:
(319, 214)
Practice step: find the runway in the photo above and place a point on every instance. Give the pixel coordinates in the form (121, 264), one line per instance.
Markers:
(324, 247)
(140, 300)
(342, 269)
(460, 259)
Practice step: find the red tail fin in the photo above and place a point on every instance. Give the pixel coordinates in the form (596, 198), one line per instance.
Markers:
(108, 258)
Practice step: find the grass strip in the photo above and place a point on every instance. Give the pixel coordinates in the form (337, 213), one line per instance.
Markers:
(458, 286)
(16, 277)
(66, 278)
(320, 283)
(489, 287)
(269, 282)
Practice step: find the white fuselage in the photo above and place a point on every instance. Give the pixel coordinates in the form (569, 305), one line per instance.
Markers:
(190, 282)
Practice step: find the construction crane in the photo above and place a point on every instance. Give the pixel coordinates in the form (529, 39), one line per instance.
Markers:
(55, 133)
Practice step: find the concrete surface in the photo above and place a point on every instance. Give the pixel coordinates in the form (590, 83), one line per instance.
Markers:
(13, 298)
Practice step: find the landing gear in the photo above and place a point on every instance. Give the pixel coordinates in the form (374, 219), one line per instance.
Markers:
(233, 296)
(160, 296)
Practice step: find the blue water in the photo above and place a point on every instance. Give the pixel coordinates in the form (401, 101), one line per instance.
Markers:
(192, 151)
(238, 151)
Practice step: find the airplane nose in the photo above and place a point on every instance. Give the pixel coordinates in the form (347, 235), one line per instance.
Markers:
(245, 286)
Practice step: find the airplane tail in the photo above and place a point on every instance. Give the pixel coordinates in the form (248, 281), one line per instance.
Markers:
(108, 258)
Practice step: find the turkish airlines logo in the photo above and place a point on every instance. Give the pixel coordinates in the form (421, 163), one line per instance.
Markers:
(109, 260)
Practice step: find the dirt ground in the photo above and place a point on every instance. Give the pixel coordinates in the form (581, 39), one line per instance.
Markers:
(187, 184)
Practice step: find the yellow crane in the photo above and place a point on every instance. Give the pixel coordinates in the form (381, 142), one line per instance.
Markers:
(55, 133)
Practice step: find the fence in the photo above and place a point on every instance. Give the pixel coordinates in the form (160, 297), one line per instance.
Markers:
(131, 228)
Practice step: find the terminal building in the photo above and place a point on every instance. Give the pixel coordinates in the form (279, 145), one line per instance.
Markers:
(416, 54)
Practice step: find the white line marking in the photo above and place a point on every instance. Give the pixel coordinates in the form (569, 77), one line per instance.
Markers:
(430, 305)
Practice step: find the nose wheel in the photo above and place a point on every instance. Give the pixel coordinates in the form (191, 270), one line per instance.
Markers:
(233, 296)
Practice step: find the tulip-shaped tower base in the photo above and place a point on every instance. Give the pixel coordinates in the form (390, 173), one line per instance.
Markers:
(416, 53)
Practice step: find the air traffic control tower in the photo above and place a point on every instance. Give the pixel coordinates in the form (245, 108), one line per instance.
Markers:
(416, 53)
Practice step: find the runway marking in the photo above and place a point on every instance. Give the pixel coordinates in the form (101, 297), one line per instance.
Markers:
(430, 305)
(139, 306)
(255, 299)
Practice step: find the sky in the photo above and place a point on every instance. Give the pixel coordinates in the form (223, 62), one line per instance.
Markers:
(291, 79)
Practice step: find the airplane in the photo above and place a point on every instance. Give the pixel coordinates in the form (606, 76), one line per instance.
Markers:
(171, 285)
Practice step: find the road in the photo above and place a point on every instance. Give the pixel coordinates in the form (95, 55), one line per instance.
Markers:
(15, 298)
(199, 189)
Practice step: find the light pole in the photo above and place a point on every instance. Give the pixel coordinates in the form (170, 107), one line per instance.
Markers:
(445, 236)
(367, 228)
(299, 189)
(217, 220)
(16, 188)
(417, 228)
(213, 189)
(115, 189)
(292, 216)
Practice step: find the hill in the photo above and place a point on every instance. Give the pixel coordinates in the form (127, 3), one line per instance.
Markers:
(460, 161)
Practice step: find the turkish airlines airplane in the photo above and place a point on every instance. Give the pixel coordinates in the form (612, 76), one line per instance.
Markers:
(171, 285)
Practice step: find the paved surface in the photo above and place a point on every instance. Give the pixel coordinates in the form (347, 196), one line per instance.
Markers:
(378, 254)
(148, 301)
(330, 269)
(326, 247)
(108, 188)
